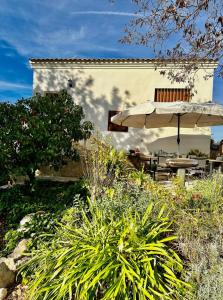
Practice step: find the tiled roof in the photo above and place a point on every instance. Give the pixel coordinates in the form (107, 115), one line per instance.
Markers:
(113, 60)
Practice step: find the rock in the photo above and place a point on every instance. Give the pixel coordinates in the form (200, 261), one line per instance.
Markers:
(21, 261)
(3, 293)
(9, 262)
(7, 277)
(20, 250)
(28, 219)
(37, 172)
(19, 293)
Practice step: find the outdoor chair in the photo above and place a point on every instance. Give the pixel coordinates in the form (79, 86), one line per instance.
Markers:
(201, 170)
(162, 169)
(163, 172)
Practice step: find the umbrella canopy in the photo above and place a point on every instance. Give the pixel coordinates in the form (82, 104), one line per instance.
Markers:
(171, 114)
(167, 114)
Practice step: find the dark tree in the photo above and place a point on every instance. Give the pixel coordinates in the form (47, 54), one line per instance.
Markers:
(40, 131)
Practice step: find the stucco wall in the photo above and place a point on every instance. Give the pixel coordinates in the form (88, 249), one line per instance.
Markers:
(103, 87)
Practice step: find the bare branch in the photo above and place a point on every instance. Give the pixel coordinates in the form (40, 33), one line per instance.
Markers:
(196, 26)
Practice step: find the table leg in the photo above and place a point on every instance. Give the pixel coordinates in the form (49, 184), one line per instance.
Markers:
(211, 167)
(150, 163)
(181, 173)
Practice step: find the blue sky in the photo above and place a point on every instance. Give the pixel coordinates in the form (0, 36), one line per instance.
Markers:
(65, 28)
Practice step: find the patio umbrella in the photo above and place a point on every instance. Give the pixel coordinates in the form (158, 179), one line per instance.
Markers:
(171, 114)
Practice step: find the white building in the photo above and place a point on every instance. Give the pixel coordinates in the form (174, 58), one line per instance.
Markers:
(105, 86)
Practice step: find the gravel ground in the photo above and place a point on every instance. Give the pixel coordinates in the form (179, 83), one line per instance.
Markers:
(16, 293)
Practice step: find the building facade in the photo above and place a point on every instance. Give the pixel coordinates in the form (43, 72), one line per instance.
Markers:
(104, 87)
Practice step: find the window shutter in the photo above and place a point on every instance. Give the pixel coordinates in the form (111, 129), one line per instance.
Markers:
(172, 95)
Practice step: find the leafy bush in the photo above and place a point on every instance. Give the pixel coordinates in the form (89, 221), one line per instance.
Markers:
(211, 191)
(197, 152)
(12, 238)
(40, 131)
(120, 245)
(127, 257)
(38, 225)
(200, 234)
(4, 177)
(102, 164)
(123, 196)
(54, 197)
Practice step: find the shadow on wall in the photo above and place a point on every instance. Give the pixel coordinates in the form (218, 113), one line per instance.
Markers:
(187, 143)
(96, 107)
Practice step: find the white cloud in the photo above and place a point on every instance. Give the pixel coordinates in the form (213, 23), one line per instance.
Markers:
(61, 42)
(7, 85)
(108, 13)
(40, 42)
(43, 28)
(10, 54)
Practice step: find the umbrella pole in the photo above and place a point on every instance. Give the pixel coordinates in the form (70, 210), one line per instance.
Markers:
(178, 135)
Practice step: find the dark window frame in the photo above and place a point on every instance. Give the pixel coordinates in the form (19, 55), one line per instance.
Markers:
(115, 127)
(49, 93)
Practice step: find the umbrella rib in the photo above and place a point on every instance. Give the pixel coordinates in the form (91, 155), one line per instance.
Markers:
(145, 120)
(176, 114)
(181, 114)
(124, 120)
(172, 118)
(198, 119)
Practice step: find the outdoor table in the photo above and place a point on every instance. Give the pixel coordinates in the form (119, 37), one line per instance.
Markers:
(212, 162)
(150, 158)
(181, 164)
(143, 158)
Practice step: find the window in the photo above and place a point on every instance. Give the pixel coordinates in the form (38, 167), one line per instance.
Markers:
(115, 127)
(51, 93)
(172, 95)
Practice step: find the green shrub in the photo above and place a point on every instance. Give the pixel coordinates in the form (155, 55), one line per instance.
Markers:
(12, 238)
(123, 196)
(207, 271)
(54, 197)
(4, 177)
(127, 257)
(39, 224)
(211, 192)
(197, 152)
(102, 164)
(197, 215)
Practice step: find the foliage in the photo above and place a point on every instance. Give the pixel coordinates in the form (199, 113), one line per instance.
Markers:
(140, 178)
(123, 256)
(39, 224)
(197, 214)
(40, 131)
(8, 121)
(53, 197)
(196, 27)
(211, 190)
(12, 238)
(124, 195)
(97, 250)
(200, 234)
(197, 152)
(102, 163)
(4, 176)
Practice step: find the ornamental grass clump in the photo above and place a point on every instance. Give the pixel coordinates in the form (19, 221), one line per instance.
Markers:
(100, 257)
